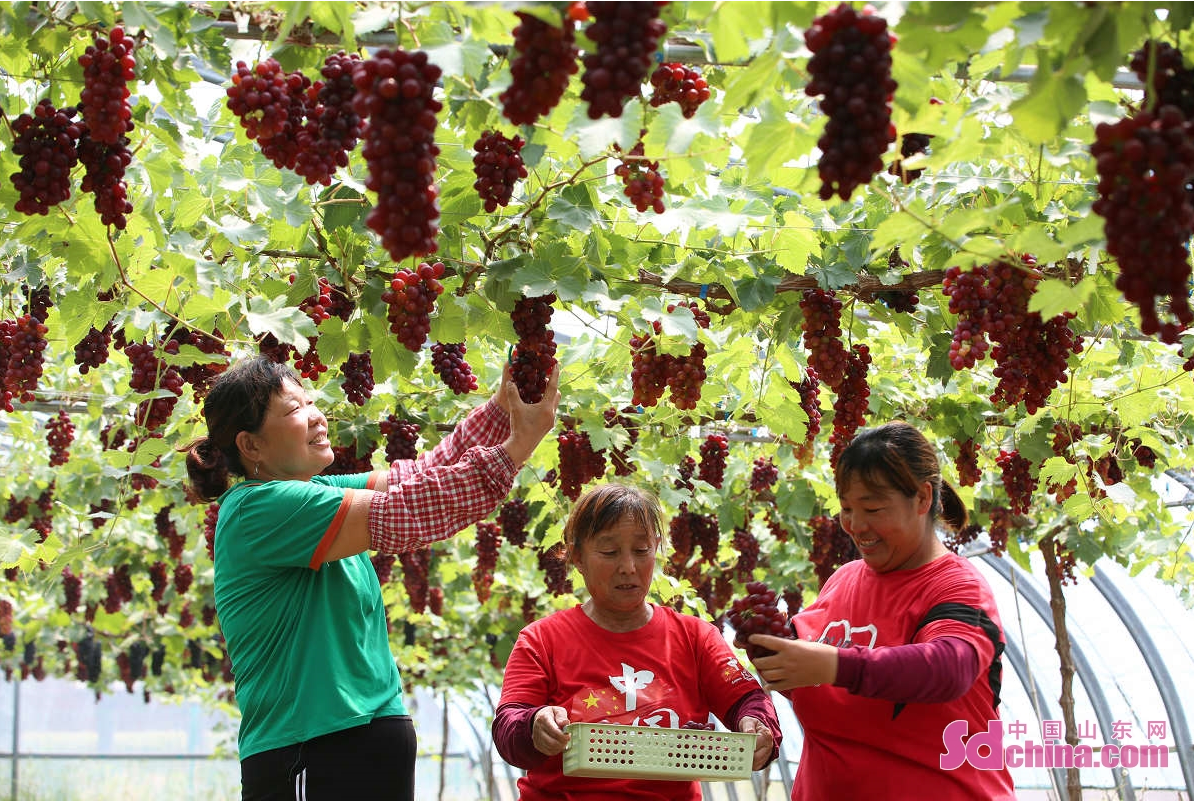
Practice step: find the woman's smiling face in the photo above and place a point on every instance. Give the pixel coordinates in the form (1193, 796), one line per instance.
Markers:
(892, 531)
(292, 442)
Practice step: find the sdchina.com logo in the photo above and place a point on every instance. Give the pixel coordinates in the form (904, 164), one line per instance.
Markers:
(985, 750)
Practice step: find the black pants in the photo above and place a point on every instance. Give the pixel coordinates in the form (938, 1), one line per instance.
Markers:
(374, 761)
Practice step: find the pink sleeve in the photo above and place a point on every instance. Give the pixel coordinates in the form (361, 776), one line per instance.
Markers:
(932, 672)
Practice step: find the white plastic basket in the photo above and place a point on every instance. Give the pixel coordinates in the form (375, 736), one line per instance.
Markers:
(607, 750)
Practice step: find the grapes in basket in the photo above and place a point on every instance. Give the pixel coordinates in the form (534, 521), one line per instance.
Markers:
(757, 613)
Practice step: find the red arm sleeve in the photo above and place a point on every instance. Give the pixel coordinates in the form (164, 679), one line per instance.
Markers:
(511, 732)
(756, 704)
(932, 672)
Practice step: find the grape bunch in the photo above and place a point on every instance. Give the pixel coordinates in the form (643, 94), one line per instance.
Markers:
(38, 303)
(680, 535)
(649, 369)
(714, 451)
(497, 163)
(260, 97)
(1171, 82)
(679, 84)
(757, 613)
(148, 375)
(967, 462)
(46, 141)
(1018, 482)
(183, 577)
(1066, 561)
(104, 165)
(447, 361)
(23, 343)
(999, 529)
(747, 546)
(579, 463)
(809, 389)
(544, 61)
(911, 144)
(410, 299)
(435, 601)
(642, 179)
(851, 69)
(394, 95)
(626, 35)
(489, 539)
(119, 585)
(957, 540)
(831, 546)
(555, 570)
(72, 591)
(401, 438)
(763, 474)
(513, 518)
(415, 566)
(1145, 163)
(358, 378)
(60, 433)
(332, 126)
(533, 357)
(1031, 353)
(851, 404)
(92, 350)
(685, 470)
(159, 581)
(821, 324)
(108, 65)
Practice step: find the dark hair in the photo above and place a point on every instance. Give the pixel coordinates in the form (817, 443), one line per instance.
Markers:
(897, 455)
(602, 507)
(236, 402)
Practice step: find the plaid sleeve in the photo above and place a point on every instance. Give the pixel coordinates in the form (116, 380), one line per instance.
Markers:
(436, 502)
(485, 425)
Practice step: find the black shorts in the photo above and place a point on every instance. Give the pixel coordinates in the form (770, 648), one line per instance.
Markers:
(373, 761)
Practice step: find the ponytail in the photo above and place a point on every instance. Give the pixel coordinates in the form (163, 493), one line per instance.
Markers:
(953, 510)
(207, 468)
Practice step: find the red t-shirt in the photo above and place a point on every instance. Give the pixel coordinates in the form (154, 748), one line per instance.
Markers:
(856, 747)
(675, 669)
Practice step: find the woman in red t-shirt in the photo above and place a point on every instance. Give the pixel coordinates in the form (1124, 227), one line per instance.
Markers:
(898, 645)
(618, 659)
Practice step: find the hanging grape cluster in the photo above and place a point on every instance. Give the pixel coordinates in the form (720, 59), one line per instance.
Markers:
(394, 97)
(545, 58)
(1031, 354)
(652, 372)
(821, 324)
(579, 462)
(533, 357)
(447, 361)
(46, 142)
(626, 35)
(497, 163)
(642, 180)
(332, 126)
(410, 300)
(676, 83)
(851, 69)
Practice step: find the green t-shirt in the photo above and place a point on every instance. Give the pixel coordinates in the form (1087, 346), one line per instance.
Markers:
(309, 648)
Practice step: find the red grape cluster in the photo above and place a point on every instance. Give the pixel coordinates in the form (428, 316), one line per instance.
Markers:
(1145, 163)
(200, 375)
(308, 363)
(852, 402)
(626, 35)
(348, 459)
(358, 378)
(1145, 456)
(533, 357)
(168, 532)
(621, 456)
(394, 96)
(415, 566)
(447, 361)
(831, 546)
(38, 303)
(72, 591)
(706, 536)
(763, 475)
(680, 84)
(653, 372)
(714, 451)
(489, 539)
(757, 613)
(685, 470)
(60, 433)
(1018, 481)
(92, 349)
(498, 166)
(260, 97)
(555, 570)
(410, 299)
(680, 535)
(104, 165)
(513, 518)
(108, 65)
(579, 463)
(911, 144)
(332, 126)
(851, 68)
(999, 529)
(435, 601)
(1171, 82)
(967, 462)
(149, 374)
(810, 390)
(119, 585)
(1030, 353)
(401, 438)
(22, 354)
(822, 329)
(159, 580)
(1067, 560)
(544, 61)
(642, 179)
(957, 540)
(46, 142)
(747, 546)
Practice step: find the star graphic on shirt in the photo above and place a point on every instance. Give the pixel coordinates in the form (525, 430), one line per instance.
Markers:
(591, 701)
